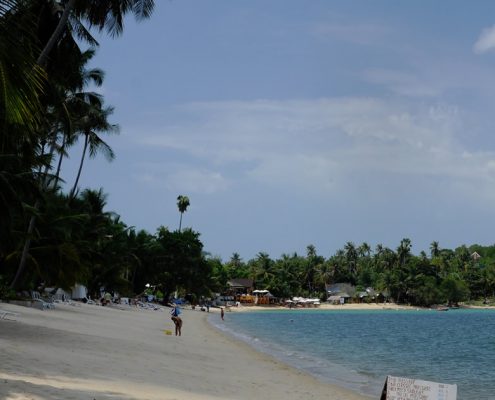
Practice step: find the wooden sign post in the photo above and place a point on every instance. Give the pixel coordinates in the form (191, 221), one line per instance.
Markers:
(396, 388)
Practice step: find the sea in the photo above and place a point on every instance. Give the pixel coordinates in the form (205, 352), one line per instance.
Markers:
(359, 349)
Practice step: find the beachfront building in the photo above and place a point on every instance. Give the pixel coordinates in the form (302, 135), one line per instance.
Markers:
(241, 289)
(341, 298)
(240, 286)
(340, 293)
(370, 295)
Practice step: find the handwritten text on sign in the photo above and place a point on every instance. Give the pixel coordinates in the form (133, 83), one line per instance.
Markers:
(415, 389)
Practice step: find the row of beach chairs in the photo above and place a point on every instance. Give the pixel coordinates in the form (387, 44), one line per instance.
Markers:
(48, 302)
(45, 302)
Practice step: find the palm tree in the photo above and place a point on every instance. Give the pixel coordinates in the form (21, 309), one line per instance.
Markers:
(364, 250)
(21, 82)
(263, 269)
(286, 270)
(434, 249)
(235, 260)
(351, 255)
(312, 263)
(58, 119)
(102, 14)
(379, 249)
(74, 102)
(324, 274)
(93, 122)
(404, 251)
(182, 204)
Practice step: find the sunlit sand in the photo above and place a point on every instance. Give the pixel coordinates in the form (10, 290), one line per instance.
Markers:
(92, 352)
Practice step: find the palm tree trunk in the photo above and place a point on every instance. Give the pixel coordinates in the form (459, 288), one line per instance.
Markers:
(74, 188)
(25, 249)
(32, 224)
(180, 222)
(41, 154)
(62, 24)
(59, 166)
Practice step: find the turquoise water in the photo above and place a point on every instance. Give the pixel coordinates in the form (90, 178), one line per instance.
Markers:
(358, 349)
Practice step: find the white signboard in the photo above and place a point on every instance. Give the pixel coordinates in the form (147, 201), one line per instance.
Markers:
(414, 389)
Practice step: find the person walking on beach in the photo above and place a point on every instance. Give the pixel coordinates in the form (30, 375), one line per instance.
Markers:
(221, 313)
(177, 320)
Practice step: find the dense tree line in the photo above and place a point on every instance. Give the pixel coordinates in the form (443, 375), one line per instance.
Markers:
(443, 276)
(53, 234)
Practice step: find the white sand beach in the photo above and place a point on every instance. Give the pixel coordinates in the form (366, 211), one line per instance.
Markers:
(90, 352)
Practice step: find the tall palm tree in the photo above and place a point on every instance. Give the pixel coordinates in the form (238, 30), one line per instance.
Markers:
(182, 204)
(404, 251)
(351, 256)
(93, 122)
(312, 263)
(73, 102)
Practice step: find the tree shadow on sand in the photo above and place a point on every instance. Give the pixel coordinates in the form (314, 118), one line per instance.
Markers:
(13, 389)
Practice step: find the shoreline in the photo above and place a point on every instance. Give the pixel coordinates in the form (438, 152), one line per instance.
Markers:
(105, 353)
(348, 307)
(93, 352)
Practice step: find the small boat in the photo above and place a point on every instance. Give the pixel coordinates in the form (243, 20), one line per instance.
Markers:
(442, 309)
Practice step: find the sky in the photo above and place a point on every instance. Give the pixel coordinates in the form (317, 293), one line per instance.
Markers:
(291, 123)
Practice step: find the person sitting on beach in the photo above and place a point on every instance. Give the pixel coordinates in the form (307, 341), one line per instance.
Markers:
(107, 299)
(177, 320)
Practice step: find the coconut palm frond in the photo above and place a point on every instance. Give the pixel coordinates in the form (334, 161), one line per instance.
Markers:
(81, 32)
(143, 9)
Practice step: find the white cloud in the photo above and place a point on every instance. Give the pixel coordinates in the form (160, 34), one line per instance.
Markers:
(196, 181)
(486, 41)
(179, 177)
(322, 144)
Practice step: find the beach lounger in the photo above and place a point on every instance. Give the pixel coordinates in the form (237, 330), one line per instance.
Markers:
(46, 303)
(149, 306)
(4, 314)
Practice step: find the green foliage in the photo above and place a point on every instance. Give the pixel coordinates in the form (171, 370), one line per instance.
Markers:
(175, 262)
(454, 289)
(426, 292)
(5, 292)
(447, 276)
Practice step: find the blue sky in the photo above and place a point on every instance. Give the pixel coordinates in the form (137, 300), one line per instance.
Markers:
(291, 122)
